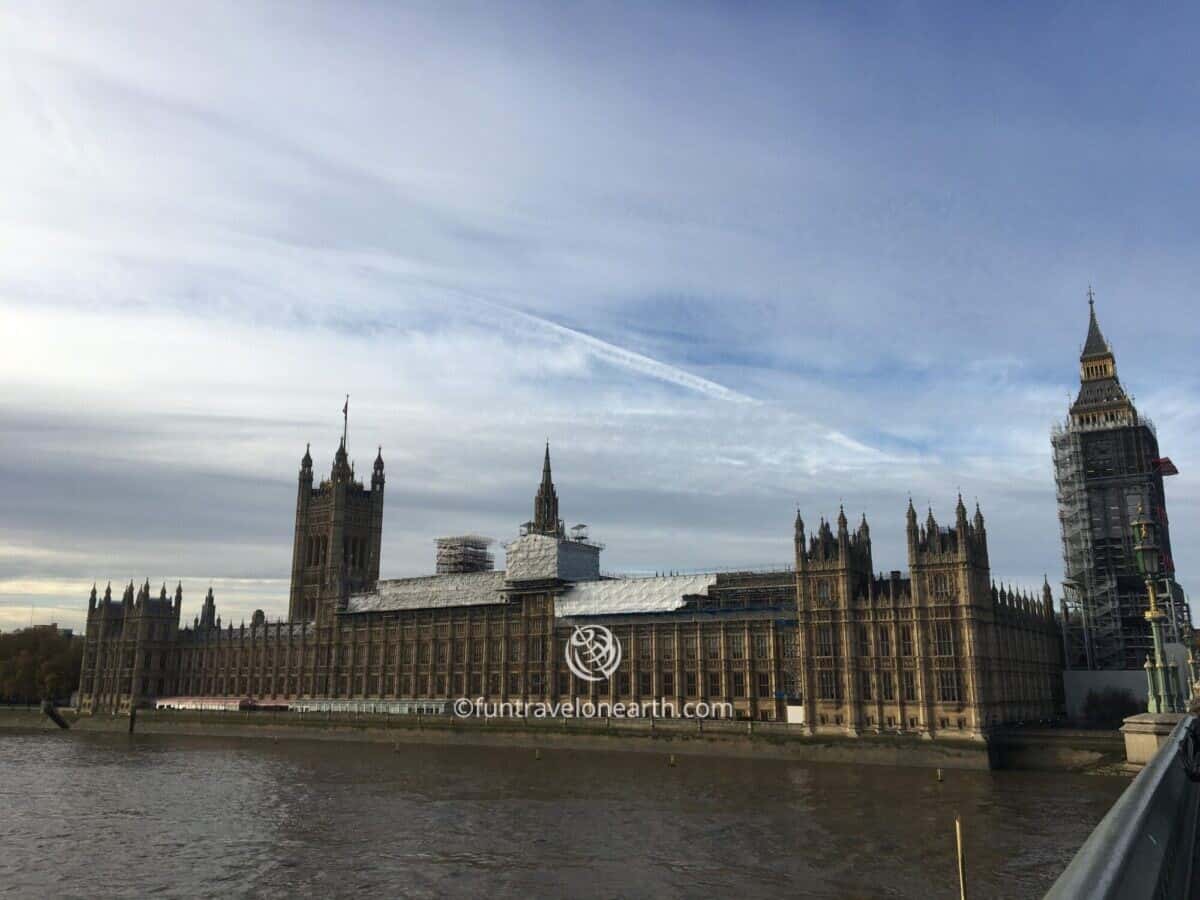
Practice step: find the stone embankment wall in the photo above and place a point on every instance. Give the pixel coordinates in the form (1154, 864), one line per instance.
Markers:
(1059, 749)
(1037, 750)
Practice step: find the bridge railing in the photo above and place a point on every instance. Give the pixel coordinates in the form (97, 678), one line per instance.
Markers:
(1146, 845)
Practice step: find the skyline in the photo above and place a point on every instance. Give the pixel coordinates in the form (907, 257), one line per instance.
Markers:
(728, 264)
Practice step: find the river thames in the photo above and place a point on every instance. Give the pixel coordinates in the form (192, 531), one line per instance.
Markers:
(103, 815)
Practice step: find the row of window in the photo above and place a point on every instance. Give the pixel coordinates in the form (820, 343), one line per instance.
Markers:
(355, 551)
(827, 646)
(242, 663)
(442, 651)
(462, 684)
(535, 650)
(941, 588)
(948, 686)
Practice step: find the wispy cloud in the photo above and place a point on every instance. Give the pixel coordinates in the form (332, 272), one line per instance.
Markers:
(729, 261)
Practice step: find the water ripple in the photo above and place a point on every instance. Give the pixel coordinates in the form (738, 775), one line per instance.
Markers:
(99, 815)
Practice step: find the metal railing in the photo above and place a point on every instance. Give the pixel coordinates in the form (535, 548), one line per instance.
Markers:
(1146, 845)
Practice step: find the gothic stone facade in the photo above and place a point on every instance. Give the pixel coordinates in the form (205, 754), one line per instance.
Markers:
(941, 650)
(828, 644)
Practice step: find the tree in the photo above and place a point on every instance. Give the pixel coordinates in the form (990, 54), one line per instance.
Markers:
(38, 663)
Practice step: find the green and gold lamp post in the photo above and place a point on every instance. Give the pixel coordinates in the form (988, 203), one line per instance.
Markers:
(1162, 677)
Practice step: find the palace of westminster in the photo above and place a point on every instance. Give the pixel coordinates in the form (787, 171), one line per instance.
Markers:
(829, 644)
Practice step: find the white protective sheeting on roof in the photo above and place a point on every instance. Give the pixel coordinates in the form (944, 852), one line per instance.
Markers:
(531, 557)
(616, 596)
(465, 589)
(534, 557)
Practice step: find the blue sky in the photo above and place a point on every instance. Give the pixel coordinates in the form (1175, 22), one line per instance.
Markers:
(728, 260)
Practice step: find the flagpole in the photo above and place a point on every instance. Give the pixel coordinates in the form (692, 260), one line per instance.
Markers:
(345, 420)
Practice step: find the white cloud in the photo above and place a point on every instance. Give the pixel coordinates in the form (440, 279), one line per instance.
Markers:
(726, 263)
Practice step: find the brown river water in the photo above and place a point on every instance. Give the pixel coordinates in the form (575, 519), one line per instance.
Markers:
(107, 815)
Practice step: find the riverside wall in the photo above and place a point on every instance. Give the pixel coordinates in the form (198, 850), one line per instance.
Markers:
(1048, 749)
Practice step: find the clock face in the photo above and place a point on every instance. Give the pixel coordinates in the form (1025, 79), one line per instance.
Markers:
(1101, 456)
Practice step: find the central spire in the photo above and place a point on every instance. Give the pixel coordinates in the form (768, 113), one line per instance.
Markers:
(545, 505)
(1095, 346)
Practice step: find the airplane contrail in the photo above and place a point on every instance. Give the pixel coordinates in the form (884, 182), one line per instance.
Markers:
(626, 359)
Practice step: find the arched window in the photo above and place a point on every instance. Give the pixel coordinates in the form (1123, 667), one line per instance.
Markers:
(941, 587)
(824, 593)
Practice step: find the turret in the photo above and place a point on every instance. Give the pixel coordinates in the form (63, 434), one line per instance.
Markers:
(961, 541)
(912, 533)
(92, 598)
(208, 612)
(306, 472)
(822, 545)
(377, 474)
(843, 554)
(341, 473)
(303, 550)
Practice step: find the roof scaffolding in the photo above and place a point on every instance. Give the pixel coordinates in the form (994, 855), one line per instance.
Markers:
(464, 553)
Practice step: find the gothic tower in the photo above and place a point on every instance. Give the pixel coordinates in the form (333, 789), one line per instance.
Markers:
(951, 591)
(1106, 466)
(128, 648)
(338, 533)
(833, 575)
